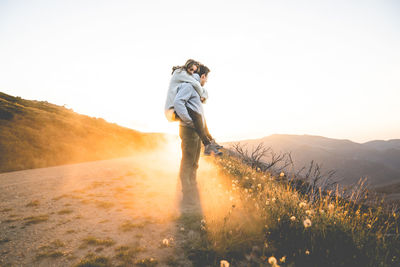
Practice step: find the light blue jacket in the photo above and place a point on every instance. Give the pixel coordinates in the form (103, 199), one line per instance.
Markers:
(178, 77)
(187, 97)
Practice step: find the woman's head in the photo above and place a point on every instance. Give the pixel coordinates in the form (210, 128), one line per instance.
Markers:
(191, 66)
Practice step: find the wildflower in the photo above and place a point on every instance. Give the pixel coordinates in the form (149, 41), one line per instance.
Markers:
(307, 252)
(259, 186)
(302, 204)
(292, 218)
(394, 214)
(321, 211)
(247, 178)
(182, 229)
(281, 174)
(165, 242)
(309, 212)
(272, 260)
(258, 169)
(224, 263)
(283, 259)
(273, 199)
(307, 223)
(331, 207)
(369, 226)
(267, 202)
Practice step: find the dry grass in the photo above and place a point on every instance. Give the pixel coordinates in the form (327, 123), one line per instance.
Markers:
(33, 203)
(93, 241)
(35, 219)
(129, 226)
(65, 211)
(276, 220)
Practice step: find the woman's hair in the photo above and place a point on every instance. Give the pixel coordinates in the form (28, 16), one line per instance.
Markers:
(189, 63)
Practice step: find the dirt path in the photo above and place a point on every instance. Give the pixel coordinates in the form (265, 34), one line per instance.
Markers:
(122, 211)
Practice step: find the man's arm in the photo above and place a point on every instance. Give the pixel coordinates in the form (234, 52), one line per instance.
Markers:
(183, 76)
(183, 95)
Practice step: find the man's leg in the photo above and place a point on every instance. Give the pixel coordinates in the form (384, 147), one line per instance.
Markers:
(199, 126)
(190, 158)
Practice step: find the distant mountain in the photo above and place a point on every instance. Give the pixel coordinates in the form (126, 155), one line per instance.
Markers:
(378, 161)
(383, 145)
(37, 134)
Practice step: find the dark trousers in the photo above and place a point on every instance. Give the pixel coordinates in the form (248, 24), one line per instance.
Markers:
(191, 146)
(201, 129)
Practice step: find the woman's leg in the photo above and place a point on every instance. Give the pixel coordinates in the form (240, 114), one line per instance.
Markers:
(199, 127)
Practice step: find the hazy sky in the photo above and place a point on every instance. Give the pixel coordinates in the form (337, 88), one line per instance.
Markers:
(329, 68)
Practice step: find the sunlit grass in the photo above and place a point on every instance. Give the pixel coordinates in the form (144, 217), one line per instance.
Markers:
(256, 216)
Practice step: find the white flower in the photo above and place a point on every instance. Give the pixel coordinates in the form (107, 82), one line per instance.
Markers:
(302, 204)
(165, 242)
(292, 218)
(224, 263)
(307, 223)
(272, 260)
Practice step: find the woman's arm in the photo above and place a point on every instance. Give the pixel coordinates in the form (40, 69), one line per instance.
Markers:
(183, 76)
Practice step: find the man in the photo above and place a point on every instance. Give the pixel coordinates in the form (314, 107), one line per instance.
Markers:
(186, 101)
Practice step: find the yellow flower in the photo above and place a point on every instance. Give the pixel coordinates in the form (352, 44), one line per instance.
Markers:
(292, 218)
(369, 226)
(309, 212)
(283, 259)
(307, 223)
(272, 260)
(302, 204)
(224, 263)
(281, 174)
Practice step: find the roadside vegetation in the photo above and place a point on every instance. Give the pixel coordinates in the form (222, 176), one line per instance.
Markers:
(281, 224)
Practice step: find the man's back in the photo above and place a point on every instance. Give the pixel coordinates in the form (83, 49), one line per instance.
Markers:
(187, 97)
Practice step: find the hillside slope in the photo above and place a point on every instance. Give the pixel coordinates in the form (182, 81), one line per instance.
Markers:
(37, 134)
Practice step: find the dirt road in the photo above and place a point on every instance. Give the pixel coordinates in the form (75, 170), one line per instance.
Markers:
(121, 211)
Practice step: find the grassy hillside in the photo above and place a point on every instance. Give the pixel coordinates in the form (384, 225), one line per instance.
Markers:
(37, 134)
(270, 223)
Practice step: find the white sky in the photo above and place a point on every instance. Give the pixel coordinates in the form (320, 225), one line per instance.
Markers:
(329, 68)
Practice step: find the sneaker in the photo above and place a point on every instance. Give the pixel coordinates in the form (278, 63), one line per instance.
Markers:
(218, 146)
(211, 149)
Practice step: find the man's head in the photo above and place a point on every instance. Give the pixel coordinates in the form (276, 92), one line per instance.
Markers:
(191, 66)
(203, 73)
